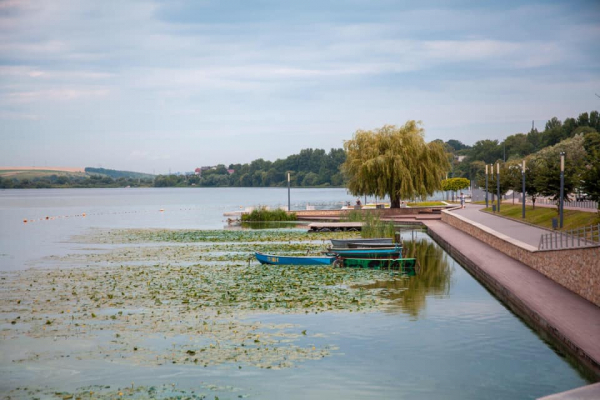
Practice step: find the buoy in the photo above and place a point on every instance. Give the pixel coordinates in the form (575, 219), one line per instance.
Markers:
(83, 215)
(162, 209)
(47, 217)
(25, 220)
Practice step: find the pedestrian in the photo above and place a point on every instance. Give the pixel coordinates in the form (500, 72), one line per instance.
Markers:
(462, 200)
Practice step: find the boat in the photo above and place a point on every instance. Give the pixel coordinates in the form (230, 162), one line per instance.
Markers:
(386, 252)
(293, 260)
(352, 245)
(344, 242)
(406, 265)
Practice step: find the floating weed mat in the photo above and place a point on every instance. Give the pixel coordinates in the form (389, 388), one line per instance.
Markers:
(106, 392)
(200, 308)
(161, 312)
(212, 236)
(193, 253)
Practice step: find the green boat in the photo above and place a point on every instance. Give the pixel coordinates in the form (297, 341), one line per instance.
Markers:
(406, 265)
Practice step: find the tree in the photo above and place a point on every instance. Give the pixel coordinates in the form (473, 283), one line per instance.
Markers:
(394, 161)
(547, 177)
(487, 151)
(517, 146)
(456, 144)
(531, 190)
(455, 184)
(590, 181)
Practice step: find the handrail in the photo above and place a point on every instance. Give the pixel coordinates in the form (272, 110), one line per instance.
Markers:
(574, 238)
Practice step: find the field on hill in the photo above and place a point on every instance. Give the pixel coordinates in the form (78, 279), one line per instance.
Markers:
(35, 172)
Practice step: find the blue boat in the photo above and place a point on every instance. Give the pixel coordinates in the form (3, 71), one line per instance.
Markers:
(292, 260)
(388, 252)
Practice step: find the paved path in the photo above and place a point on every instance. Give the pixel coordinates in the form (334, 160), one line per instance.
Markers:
(523, 232)
(568, 317)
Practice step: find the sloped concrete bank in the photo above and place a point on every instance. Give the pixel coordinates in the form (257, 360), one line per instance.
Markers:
(571, 322)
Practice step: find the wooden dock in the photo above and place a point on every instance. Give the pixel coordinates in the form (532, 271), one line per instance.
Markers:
(335, 226)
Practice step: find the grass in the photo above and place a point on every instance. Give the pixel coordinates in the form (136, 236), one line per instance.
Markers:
(542, 216)
(426, 204)
(31, 174)
(261, 214)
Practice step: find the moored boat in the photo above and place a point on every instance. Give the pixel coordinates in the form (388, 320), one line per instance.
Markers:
(293, 260)
(386, 252)
(407, 265)
(339, 243)
(353, 245)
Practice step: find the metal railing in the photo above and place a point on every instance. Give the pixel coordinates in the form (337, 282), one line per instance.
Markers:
(574, 238)
(580, 204)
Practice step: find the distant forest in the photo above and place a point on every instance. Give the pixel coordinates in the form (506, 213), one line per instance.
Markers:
(318, 168)
(310, 168)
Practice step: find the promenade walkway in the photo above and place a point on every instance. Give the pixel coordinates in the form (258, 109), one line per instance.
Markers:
(516, 230)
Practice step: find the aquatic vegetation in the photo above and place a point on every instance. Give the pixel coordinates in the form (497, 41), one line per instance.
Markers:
(192, 303)
(373, 226)
(120, 236)
(263, 214)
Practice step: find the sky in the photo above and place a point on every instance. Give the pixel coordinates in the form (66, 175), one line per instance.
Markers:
(153, 86)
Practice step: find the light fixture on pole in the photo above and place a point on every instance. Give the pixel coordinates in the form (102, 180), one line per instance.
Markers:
(562, 186)
(289, 208)
(498, 183)
(523, 175)
(486, 186)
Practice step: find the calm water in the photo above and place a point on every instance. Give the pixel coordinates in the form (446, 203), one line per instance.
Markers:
(445, 338)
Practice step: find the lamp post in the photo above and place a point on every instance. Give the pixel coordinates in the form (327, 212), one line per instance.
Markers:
(289, 205)
(523, 175)
(492, 178)
(486, 186)
(498, 183)
(562, 186)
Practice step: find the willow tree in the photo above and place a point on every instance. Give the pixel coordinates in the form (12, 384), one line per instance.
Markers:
(394, 161)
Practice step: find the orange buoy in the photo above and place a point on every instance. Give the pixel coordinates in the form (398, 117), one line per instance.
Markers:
(25, 220)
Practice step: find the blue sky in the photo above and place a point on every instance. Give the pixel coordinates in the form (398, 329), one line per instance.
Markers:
(153, 85)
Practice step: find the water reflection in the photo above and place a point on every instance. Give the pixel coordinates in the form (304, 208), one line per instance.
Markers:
(433, 277)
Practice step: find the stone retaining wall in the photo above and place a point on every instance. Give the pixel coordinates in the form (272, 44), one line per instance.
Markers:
(383, 213)
(576, 269)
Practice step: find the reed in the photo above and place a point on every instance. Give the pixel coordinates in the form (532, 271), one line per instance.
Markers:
(261, 214)
(373, 226)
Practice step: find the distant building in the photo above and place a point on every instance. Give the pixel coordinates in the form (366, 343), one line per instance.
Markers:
(198, 171)
(459, 158)
(230, 171)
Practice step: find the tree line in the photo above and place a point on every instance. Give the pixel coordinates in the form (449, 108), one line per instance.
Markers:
(309, 168)
(73, 181)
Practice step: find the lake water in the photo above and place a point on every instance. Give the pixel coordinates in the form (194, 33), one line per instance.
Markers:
(445, 337)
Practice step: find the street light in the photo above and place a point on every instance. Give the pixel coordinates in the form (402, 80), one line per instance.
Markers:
(562, 186)
(492, 178)
(486, 186)
(523, 175)
(289, 206)
(498, 180)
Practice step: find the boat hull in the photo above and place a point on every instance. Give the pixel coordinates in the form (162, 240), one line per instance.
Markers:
(407, 265)
(389, 252)
(291, 260)
(344, 242)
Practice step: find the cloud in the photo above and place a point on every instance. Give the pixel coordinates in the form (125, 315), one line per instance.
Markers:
(67, 94)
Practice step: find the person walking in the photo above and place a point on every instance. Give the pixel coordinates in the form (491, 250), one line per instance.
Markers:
(462, 200)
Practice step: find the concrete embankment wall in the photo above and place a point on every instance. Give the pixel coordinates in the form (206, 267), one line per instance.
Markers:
(576, 269)
(383, 213)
